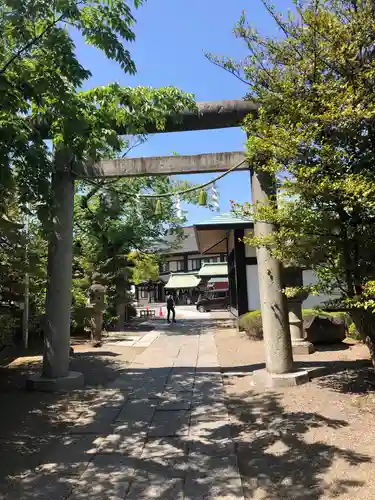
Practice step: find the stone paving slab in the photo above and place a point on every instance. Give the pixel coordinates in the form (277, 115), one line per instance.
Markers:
(187, 363)
(173, 395)
(107, 477)
(169, 423)
(215, 389)
(127, 382)
(161, 447)
(174, 404)
(179, 383)
(209, 412)
(71, 456)
(123, 441)
(207, 398)
(146, 340)
(152, 486)
(40, 486)
(212, 449)
(156, 376)
(220, 465)
(161, 430)
(98, 422)
(160, 372)
(149, 391)
(137, 412)
(166, 457)
(208, 488)
(209, 381)
(182, 370)
(96, 398)
(128, 428)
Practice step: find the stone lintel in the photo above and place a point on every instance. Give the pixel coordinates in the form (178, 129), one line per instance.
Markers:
(208, 115)
(165, 165)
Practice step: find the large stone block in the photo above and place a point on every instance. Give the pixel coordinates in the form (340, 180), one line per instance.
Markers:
(324, 329)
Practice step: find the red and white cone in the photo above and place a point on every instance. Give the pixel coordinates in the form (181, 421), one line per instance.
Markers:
(161, 314)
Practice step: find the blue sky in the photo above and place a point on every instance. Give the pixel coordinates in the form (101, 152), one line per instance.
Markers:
(171, 38)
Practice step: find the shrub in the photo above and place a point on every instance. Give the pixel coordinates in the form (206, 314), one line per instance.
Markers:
(251, 322)
(353, 332)
(307, 314)
(110, 318)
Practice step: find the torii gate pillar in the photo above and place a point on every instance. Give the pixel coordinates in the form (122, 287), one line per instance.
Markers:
(56, 326)
(276, 333)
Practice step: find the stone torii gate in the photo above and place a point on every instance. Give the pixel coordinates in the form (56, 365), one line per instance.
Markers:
(209, 115)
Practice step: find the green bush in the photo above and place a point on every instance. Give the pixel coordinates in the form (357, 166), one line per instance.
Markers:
(309, 313)
(110, 318)
(353, 332)
(251, 322)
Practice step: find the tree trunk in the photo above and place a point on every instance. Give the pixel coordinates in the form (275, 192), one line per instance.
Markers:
(365, 323)
(120, 306)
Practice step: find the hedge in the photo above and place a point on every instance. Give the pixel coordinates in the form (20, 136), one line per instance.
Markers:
(251, 322)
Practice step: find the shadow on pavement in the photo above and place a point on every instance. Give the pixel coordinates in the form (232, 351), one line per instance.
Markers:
(33, 422)
(165, 433)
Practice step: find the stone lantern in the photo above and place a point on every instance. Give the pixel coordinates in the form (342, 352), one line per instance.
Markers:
(96, 310)
(293, 278)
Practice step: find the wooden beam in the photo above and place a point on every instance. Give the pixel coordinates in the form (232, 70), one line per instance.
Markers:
(165, 165)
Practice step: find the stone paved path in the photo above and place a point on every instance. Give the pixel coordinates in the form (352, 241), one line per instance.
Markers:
(161, 431)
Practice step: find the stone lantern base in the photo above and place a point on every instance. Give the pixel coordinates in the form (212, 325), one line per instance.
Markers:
(302, 346)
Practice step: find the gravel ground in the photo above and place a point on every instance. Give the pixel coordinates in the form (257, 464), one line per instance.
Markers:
(310, 442)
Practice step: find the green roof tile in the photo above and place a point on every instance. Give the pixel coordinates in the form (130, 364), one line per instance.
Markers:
(227, 218)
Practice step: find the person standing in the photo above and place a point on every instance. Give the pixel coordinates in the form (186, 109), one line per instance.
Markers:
(171, 309)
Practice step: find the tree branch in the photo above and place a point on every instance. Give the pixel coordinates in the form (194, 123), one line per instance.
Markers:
(32, 42)
(232, 72)
(288, 33)
(130, 148)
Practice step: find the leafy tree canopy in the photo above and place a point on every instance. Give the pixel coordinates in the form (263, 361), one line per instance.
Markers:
(146, 267)
(118, 230)
(40, 77)
(315, 133)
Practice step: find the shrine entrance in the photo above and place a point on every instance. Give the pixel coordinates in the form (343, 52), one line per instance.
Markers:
(209, 115)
